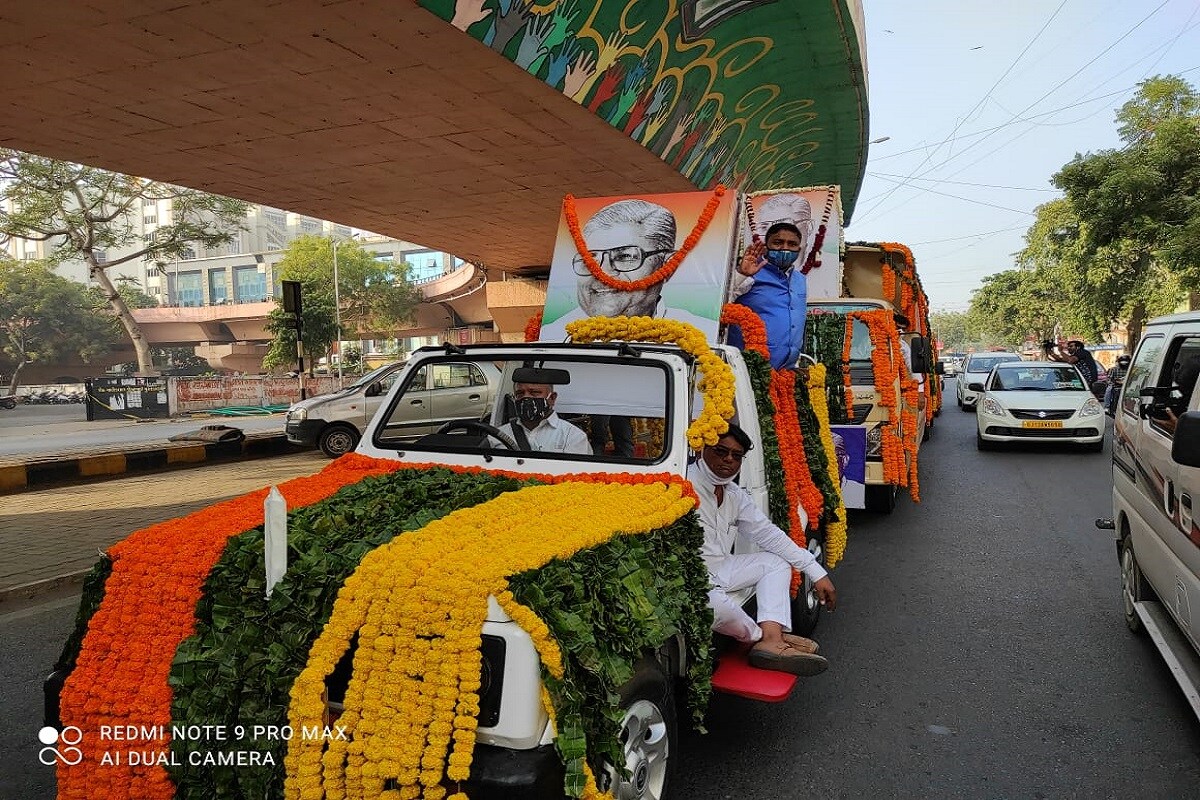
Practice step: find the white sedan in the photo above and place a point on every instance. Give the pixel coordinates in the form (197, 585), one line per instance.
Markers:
(1037, 401)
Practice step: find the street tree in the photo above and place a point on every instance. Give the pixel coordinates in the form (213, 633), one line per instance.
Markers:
(952, 329)
(375, 297)
(46, 318)
(84, 213)
(1016, 304)
(1136, 247)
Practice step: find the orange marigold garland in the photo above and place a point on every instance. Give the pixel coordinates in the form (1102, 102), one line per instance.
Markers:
(533, 328)
(847, 382)
(659, 275)
(120, 677)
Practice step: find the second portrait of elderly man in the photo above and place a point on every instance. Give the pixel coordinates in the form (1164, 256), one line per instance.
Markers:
(629, 240)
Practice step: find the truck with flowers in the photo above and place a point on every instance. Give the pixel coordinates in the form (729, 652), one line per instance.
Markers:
(872, 334)
(456, 614)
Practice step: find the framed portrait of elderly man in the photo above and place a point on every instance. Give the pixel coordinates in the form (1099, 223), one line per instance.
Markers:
(642, 257)
(810, 209)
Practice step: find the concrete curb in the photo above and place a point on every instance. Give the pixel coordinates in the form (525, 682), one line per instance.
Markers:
(96, 465)
(14, 597)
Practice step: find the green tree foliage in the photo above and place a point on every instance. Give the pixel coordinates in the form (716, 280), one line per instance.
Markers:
(45, 317)
(952, 329)
(1135, 247)
(83, 213)
(375, 297)
(1016, 304)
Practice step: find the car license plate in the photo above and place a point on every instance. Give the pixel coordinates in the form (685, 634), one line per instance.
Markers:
(1042, 424)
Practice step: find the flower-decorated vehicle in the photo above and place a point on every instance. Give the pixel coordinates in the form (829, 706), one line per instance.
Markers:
(871, 331)
(461, 612)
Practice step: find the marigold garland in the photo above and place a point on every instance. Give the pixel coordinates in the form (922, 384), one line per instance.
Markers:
(120, 676)
(533, 328)
(847, 381)
(754, 330)
(394, 600)
(716, 381)
(659, 275)
(836, 531)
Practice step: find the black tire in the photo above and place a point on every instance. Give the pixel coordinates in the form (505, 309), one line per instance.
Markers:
(1134, 588)
(880, 498)
(8, 403)
(649, 736)
(337, 440)
(806, 610)
(982, 444)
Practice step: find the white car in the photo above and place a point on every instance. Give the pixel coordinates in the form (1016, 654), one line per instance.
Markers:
(1037, 401)
(975, 370)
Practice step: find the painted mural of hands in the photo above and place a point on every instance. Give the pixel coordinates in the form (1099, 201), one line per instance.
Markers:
(630, 87)
(564, 14)
(611, 51)
(660, 97)
(557, 71)
(576, 81)
(468, 12)
(508, 24)
(681, 129)
(637, 115)
(607, 88)
(532, 46)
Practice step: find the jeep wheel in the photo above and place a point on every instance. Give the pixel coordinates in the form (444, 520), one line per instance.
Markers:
(648, 737)
(337, 440)
(806, 608)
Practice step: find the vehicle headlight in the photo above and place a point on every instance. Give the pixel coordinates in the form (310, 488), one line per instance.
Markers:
(297, 414)
(990, 406)
(1091, 408)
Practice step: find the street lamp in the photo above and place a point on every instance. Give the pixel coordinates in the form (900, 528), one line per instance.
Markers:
(337, 310)
(880, 139)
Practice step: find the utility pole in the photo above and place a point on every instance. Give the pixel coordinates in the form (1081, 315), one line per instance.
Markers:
(293, 304)
(337, 310)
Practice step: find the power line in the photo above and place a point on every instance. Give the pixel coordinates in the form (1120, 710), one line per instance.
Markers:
(964, 183)
(982, 100)
(973, 235)
(964, 199)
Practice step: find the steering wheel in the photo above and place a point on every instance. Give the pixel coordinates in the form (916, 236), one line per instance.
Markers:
(475, 425)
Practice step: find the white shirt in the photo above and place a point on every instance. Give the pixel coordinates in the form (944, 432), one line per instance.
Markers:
(906, 349)
(552, 435)
(739, 515)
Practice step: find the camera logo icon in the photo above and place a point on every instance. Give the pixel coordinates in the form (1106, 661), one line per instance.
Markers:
(66, 751)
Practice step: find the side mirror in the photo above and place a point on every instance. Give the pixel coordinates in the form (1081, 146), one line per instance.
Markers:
(920, 355)
(1185, 445)
(939, 368)
(975, 387)
(374, 390)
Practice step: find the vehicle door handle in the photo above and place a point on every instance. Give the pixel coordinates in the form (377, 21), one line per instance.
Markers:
(472, 397)
(1169, 498)
(415, 402)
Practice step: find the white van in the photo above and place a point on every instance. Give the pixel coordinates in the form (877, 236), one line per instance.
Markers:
(448, 392)
(1156, 482)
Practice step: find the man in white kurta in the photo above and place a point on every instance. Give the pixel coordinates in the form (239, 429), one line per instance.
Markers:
(727, 510)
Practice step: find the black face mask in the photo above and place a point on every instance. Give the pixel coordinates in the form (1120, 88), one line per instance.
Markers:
(532, 409)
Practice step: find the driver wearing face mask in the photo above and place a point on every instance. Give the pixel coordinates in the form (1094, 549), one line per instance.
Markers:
(778, 292)
(536, 423)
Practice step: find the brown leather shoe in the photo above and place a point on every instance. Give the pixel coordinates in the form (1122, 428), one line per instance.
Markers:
(801, 643)
(790, 660)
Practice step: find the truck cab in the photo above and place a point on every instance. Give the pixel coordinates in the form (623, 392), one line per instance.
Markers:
(655, 387)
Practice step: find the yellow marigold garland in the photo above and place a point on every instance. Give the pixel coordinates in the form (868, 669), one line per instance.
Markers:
(716, 382)
(836, 532)
(417, 605)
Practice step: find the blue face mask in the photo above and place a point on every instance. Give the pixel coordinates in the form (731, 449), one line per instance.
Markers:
(782, 258)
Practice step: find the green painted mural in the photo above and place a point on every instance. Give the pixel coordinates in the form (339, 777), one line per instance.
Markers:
(757, 94)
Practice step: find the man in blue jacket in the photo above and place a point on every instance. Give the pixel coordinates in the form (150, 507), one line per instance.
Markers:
(775, 288)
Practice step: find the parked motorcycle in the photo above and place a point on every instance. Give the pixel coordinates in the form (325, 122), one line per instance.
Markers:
(8, 401)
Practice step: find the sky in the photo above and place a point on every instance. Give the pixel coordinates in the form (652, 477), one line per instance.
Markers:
(982, 103)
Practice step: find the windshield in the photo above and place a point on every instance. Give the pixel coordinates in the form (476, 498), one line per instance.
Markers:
(1037, 379)
(370, 377)
(985, 363)
(595, 409)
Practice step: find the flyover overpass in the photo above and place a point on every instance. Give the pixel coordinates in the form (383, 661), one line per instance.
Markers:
(456, 125)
